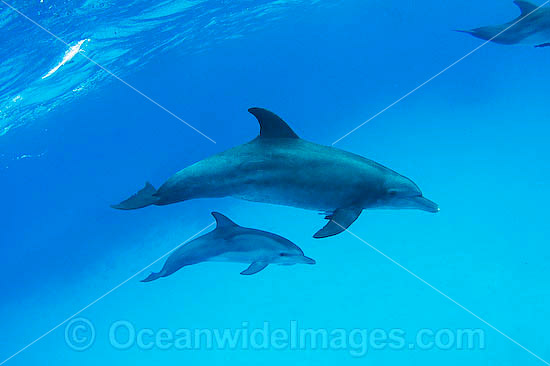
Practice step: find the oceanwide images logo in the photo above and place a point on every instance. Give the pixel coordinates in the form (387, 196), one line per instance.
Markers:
(123, 335)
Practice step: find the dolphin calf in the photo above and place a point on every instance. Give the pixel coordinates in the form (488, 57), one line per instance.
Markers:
(279, 167)
(230, 242)
(532, 27)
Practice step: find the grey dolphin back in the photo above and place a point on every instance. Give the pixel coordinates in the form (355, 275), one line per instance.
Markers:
(271, 125)
(145, 197)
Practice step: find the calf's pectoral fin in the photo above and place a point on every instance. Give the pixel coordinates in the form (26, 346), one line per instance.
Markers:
(340, 220)
(543, 45)
(254, 268)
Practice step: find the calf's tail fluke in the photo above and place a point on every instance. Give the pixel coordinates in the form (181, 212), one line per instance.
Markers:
(153, 276)
(143, 198)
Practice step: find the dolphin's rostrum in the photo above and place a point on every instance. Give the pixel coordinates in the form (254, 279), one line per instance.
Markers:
(230, 242)
(532, 27)
(279, 167)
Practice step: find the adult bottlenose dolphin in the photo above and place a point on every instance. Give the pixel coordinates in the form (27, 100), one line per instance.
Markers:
(278, 167)
(532, 27)
(230, 242)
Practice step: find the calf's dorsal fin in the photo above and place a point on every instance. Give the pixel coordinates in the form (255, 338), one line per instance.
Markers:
(222, 220)
(525, 6)
(271, 125)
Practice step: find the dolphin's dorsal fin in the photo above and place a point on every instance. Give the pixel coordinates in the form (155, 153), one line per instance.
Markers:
(222, 220)
(525, 6)
(271, 125)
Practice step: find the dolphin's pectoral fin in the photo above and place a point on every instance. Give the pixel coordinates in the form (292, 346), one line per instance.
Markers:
(543, 45)
(340, 220)
(525, 7)
(271, 125)
(254, 268)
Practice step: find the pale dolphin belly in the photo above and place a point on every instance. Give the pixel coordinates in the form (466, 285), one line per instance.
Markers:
(298, 173)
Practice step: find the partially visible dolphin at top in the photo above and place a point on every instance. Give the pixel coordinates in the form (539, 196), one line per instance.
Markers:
(230, 242)
(532, 27)
(279, 167)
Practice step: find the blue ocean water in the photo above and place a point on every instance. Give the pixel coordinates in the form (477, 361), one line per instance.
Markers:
(76, 140)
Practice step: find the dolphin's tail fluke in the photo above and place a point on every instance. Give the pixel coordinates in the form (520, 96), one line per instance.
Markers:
(143, 198)
(153, 276)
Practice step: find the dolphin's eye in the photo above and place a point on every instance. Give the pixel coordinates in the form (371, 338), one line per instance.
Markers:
(392, 192)
(283, 254)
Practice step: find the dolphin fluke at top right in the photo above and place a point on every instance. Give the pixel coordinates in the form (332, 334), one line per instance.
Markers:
(532, 27)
